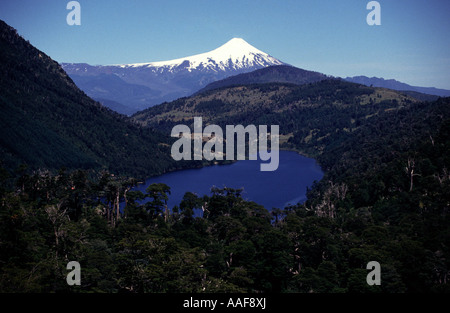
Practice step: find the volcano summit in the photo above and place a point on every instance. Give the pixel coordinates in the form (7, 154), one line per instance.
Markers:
(128, 88)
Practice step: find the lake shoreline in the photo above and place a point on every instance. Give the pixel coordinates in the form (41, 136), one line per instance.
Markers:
(230, 162)
(287, 184)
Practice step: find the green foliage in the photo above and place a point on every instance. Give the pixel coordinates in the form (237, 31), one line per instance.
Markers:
(54, 219)
(316, 109)
(366, 208)
(384, 197)
(48, 123)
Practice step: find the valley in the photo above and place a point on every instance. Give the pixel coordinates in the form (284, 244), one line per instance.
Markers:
(68, 163)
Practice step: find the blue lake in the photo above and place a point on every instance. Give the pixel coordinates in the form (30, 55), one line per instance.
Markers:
(277, 189)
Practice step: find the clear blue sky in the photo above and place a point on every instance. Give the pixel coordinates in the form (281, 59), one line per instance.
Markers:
(412, 44)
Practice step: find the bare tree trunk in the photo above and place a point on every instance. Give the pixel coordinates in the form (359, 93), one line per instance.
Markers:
(166, 213)
(410, 172)
(109, 209)
(230, 260)
(117, 205)
(55, 231)
(57, 216)
(125, 197)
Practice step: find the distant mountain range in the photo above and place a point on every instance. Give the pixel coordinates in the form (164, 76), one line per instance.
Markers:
(297, 76)
(132, 87)
(128, 88)
(396, 85)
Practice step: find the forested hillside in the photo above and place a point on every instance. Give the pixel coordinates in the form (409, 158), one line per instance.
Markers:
(271, 74)
(48, 123)
(385, 194)
(314, 107)
(387, 186)
(384, 197)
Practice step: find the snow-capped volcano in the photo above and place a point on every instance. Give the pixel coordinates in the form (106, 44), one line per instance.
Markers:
(235, 54)
(128, 88)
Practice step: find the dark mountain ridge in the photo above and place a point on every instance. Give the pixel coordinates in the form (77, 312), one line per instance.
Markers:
(48, 123)
(396, 85)
(271, 74)
(289, 105)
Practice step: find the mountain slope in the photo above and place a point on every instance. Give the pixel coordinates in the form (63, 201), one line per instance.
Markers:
(47, 122)
(309, 108)
(396, 85)
(271, 74)
(167, 80)
(115, 89)
(384, 195)
(235, 54)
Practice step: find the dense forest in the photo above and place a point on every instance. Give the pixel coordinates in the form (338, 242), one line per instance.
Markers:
(66, 191)
(270, 74)
(48, 123)
(384, 197)
(308, 110)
